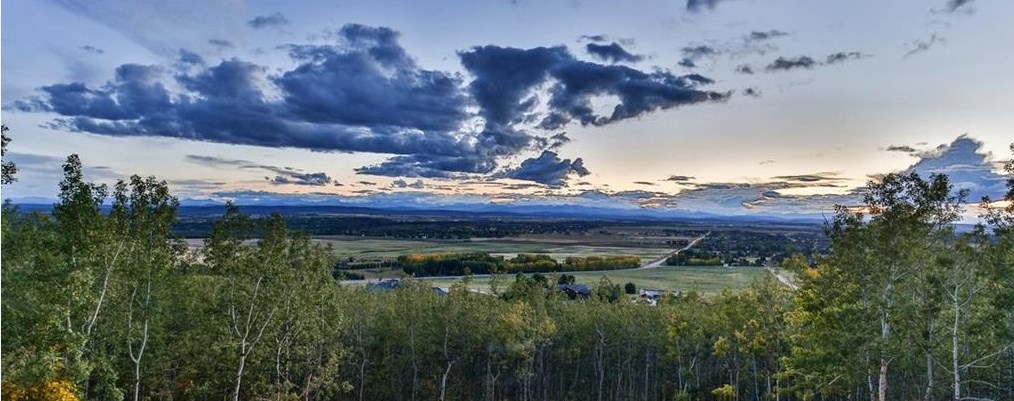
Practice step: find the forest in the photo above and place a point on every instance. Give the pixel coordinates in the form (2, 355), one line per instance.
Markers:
(109, 304)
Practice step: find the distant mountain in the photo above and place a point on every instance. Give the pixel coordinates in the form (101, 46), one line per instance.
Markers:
(477, 210)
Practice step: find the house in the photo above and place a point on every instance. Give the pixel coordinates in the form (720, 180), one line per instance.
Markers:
(651, 296)
(574, 291)
(652, 293)
(384, 285)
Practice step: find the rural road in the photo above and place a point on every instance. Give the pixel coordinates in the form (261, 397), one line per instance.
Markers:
(660, 261)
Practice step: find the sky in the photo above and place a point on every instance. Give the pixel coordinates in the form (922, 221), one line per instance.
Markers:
(732, 107)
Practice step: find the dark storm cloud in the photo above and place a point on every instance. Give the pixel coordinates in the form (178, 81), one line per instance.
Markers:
(134, 92)
(547, 169)
(377, 101)
(265, 21)
(594, 38)
(786, 64)
(744, 69)
(612, 52)
(639, 92)
(283, 175)
(364, 93)
(505, 77)
(901, 148)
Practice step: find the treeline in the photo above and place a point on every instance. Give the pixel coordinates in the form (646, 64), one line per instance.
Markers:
(111, 306)
(464, 263)
(694, 257)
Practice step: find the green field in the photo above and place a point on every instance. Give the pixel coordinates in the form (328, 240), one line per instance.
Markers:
(706, 279)
(367, 248)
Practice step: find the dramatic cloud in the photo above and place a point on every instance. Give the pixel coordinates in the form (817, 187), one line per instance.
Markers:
(505, 78)
(283, 175)
(646, 183)
(612, 52)
(364, 93)
(265, 21)
(786, 64)
(547, 169)
(377, 100)
(965, 167)
(920, 46)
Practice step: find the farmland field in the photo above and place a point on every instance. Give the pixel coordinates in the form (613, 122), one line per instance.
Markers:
(705, 279)
(367, 248)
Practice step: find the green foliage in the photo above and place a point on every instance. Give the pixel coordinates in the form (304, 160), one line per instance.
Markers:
(457, 264)
(10, 171)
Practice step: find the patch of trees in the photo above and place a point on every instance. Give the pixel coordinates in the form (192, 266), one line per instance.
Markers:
(113, 306)
(694, 257)
(459, 264)
(750, 248)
